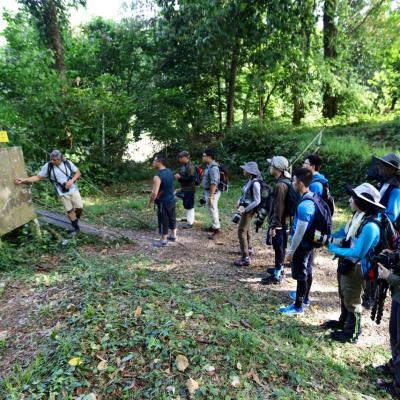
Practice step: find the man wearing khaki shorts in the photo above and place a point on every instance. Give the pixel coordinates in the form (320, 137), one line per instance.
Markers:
(63, 174)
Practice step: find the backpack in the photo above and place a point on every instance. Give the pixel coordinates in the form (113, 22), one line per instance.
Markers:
(50, 169)
(326, 195)
(265, 193)
(322, 220)
(388, 238)
(198, 175)
(223, 184)
(292, 198)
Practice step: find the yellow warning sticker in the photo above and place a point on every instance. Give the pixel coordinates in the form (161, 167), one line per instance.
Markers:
(3, 137)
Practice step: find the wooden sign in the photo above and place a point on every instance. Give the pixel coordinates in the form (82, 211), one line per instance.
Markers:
(3, 137)
(15, 200)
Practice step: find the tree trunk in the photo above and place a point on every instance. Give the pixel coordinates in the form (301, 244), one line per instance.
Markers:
(330, 103)
(298, 111)
(246, 105)
(268, 99)
(219, 104)
(53, 35)
(230, 102)
(394, 102)
(261, 107)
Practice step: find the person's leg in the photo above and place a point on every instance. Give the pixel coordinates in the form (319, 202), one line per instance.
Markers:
(188, 204)
(395, 341)
(353, 285)
(278, 245)
(171, 211)
(243, 228)
(164, 223)
(310, 263)
(338, 324)
(69, 208)
(215, 212)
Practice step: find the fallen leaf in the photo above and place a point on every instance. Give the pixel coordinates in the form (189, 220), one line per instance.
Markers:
(102, 365)
(235, 381)
(188, 314)
(192, 386)
(209, 369)
(75, 361)
(181, 363)
(253, 375)
(138, 312)
(239, 366)
(90, 396)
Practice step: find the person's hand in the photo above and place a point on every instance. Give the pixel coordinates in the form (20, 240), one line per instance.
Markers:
(272, 232)
(18, 181)
(69, 184)
(177, 177)
(383, 272)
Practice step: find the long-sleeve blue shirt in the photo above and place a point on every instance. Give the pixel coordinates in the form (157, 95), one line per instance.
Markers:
(360, 247)
(393, 206)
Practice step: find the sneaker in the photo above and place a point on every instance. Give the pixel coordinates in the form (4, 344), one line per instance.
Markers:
(385, 369)
(187, 226)
(160, 243)
(292, 310)
(251, 251)
(271, 271)
(292, 295)
(343, 337)
(73, 232)
(215, 235)
(242, 262)
(172, 238)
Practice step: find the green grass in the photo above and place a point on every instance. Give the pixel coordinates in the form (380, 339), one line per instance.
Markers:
(289, 358)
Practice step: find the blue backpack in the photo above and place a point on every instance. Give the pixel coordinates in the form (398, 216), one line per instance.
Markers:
(322, 220)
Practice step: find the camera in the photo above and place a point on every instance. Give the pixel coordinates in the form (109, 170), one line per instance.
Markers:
(260, 218)
(238, 214)
(389, 259)
(64, 188)
(322, 240)
(202, 202)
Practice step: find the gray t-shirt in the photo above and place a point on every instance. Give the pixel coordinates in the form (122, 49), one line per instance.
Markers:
(60, 174)
(211, 176)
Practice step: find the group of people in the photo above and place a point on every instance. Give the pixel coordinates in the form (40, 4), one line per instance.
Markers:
(300, 206)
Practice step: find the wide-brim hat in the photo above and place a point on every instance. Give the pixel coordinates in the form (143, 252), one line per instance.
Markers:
(368, 193)
(391, 159)
(251, 168)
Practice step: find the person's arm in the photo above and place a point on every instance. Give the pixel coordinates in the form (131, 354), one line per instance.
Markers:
(393, 207)
(280, 194)
(364, 243)
(256, 197)
(155, 190)
(301, 229)
(188, 176)
(214, 180)
(31, 179)
(76, 176)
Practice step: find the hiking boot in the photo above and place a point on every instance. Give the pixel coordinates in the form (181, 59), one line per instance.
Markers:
(271, 271)
(210, 229)
(390, 388)
(385, 369)
(351, 330)
(74, 232)
(292, 310)
(172, 238)
(242, 262)
(270, 280)
(292, 295)
(215, 235)
(333, 324)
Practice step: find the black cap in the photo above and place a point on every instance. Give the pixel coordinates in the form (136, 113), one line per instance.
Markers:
(184, 154)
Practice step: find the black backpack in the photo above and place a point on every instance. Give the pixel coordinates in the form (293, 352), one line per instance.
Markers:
(292, 198)
(326, 195)
(322, 220)
(198, 175)
(265, 193)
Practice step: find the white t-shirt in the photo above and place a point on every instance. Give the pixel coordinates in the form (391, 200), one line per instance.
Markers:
(60, 174)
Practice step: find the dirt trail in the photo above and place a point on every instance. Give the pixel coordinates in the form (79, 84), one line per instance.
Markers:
(194, 260)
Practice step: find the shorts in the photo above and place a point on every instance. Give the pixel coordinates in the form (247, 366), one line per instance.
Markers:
(71, 201)
(302, 263)
(166, 218)
(188, 200)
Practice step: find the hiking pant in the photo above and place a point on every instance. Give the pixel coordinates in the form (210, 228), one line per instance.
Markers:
(188, 205)
(351, 287)
(245, 233)
(213, 210)
(394, 331)
(301, 272)
(166, 218)
(279, 243)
